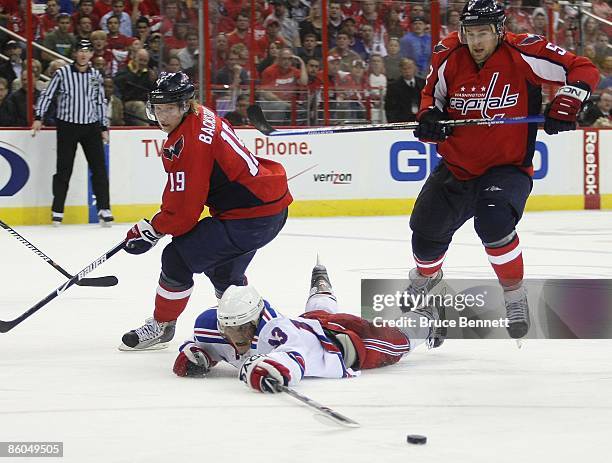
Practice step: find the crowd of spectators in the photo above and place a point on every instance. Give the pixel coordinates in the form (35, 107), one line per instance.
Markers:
(378, 55)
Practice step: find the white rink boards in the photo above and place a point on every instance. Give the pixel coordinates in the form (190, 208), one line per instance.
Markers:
(62, 378)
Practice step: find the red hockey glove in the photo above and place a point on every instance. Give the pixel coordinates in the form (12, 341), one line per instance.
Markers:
(430, 129)
(264, 374)
(192, 361)
(563, 110)
(141, 237)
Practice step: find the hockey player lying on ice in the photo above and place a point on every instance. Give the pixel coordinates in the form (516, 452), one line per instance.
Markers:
(269, 348)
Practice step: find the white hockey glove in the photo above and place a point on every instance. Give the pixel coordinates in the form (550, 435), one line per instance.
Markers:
(141, 237)
(192, 361)
(263, 374)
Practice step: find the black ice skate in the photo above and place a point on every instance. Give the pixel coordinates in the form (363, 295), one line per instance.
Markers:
(105, 217)
(517, 311)
(153, 335)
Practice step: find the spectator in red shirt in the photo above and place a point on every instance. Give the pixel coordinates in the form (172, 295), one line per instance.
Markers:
(272, 35)
(178, 39)
(116, 40)
(280, 83)
(170, 17)
(235, 7)
(350, 8)
(519, 20)
(48, 21)
(241, 33)
(271, 56)
(101, 7)
(86, 8)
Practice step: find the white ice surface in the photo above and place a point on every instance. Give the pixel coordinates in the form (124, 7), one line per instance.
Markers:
(62, 378)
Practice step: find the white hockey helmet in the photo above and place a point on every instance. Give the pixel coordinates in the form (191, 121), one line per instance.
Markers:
(239, 305)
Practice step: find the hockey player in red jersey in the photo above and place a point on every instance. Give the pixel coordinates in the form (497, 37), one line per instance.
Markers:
(484, 72)
(207, 165)
(270, 348)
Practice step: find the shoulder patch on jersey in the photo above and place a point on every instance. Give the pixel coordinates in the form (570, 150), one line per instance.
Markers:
(440, 47)
(531, 38)
(175, 150)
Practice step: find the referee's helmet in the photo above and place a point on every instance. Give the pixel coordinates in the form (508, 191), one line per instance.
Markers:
(171, 87)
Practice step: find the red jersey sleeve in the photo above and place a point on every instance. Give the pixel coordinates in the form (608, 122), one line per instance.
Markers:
(549, 63)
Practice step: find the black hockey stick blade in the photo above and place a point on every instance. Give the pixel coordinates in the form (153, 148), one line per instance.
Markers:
(259, 121)
(99, 282)
(96, 281)
(10, 324)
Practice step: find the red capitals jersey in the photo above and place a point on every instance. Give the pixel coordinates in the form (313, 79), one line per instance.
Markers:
(208, 165)
(508, 85)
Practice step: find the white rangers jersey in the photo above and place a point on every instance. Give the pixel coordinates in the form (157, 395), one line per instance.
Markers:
(299, 344)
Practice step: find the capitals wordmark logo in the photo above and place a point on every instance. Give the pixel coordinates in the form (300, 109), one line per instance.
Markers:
(480, 98)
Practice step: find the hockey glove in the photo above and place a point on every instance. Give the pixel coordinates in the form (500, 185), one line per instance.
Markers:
(562, 112)
(192, 361)
(430, 129)
(141, 237)
(264, 374)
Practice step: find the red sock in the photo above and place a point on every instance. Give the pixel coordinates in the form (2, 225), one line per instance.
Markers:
(428, 268)
(507, 261)
(170, 304)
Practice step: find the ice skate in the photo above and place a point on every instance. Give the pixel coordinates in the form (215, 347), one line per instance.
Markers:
(437, 334)
(319, 281)
(153, 335)
(418, 288)
(105, 217)
(517, 312)
(56, 218)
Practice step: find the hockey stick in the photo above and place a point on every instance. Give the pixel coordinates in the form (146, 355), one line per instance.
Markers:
(96, 281)
(327, 412)
(302, 172)
(259, 121)
(9, 325)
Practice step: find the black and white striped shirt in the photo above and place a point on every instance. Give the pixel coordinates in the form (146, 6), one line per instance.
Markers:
(80, 96)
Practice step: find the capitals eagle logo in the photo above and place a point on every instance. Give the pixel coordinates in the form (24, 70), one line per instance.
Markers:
(175, 150)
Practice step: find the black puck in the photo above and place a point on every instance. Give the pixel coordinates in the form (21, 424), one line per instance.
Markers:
(416, 439)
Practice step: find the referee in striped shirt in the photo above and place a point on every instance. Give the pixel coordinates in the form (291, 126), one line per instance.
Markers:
(81, 118)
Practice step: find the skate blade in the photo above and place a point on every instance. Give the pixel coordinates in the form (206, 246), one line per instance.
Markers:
(104, 224)
(160, 346)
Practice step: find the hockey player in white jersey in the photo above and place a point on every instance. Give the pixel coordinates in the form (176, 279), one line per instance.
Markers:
(271, 349)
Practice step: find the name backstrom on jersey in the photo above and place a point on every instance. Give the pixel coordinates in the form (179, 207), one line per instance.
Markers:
(482, 102)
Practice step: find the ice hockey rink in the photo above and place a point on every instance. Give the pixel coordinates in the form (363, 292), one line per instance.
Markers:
(63, 379)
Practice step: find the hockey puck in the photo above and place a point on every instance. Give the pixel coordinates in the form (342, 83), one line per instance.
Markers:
(416, 439)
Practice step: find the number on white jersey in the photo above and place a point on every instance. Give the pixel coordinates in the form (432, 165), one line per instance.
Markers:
(232, 139)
